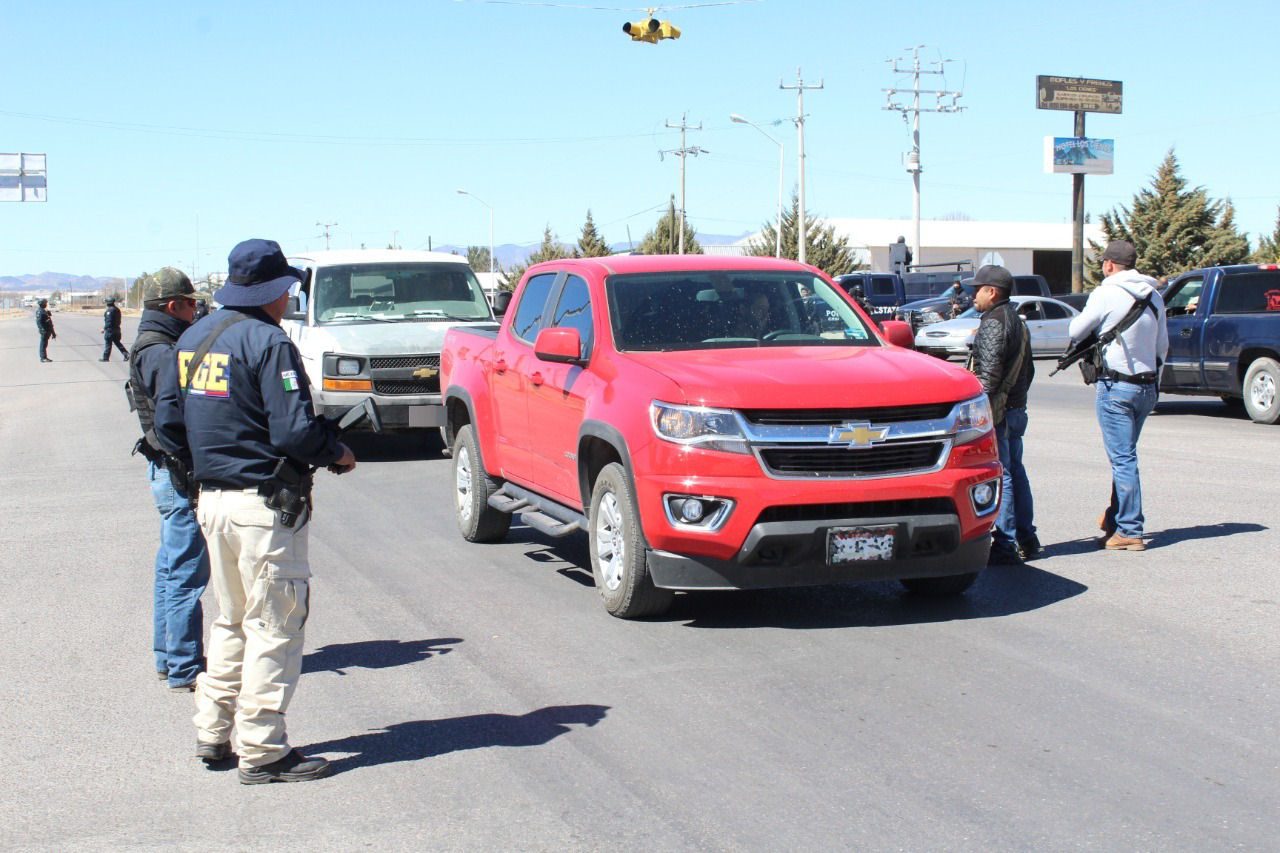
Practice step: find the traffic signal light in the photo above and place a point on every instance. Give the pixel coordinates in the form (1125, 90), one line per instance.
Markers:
(651, 30)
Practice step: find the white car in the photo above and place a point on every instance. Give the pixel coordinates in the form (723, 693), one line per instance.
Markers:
(1047, 319)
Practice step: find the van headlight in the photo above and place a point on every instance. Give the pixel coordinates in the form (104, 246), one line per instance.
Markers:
(698, 426)
(349, 367)
(972, 419)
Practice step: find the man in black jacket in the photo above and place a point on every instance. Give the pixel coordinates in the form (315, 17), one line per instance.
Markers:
(182, 561)
(111, 331)
(44, 325)
(1002, 362)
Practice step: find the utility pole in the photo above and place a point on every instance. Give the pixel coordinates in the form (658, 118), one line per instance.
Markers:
(326, 226)
(912, 114)
(802, 235)
(682, 152)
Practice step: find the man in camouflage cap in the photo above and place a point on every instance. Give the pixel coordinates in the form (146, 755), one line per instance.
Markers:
(182, 562)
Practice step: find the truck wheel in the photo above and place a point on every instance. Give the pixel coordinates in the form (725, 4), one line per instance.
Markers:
(1261, 384)
(478, 521)
(937, 587)
(618, 552)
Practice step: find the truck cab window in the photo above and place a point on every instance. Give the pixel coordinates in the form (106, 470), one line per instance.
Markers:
(1185, 297)
(574, 311)
(527, 321)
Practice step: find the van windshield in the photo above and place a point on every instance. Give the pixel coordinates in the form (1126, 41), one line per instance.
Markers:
(389, 292)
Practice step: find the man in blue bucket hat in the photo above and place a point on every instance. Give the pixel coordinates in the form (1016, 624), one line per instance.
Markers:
(246, 406)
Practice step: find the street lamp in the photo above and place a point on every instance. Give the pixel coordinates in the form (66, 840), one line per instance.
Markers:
(737, 119)
(493, 278)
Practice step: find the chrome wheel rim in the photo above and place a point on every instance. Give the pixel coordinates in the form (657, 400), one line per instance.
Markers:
(610, 548)
(462, 482)
(1262, 392)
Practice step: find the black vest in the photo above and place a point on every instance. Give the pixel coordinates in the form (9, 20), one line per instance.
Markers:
(135, 388)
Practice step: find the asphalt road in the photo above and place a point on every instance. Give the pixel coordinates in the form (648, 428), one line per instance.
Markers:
(479, 697)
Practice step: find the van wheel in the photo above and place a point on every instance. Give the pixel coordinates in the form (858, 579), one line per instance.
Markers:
(1261, 384)
(938, 587)
(477, 521)
(618, 561)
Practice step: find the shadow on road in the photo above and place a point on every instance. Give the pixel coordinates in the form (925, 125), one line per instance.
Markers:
(1204, 406)
(375, 654)
(1163, 538)
(421, 739)
(395, 446)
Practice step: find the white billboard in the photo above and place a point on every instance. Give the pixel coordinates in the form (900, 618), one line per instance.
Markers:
(23, 177)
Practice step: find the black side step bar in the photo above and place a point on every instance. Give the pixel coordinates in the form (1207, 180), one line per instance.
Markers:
(542, 514)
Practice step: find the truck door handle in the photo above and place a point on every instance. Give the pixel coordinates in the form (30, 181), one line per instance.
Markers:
(535, 378)
(500, 366)
(1186, 333)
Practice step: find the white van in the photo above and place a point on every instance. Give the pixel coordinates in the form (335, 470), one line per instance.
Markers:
(371, 322)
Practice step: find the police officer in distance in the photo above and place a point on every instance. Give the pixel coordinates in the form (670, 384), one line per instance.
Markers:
(247, 412)
(202, 310)
(182, 562)
(44, 325)
(111, 331)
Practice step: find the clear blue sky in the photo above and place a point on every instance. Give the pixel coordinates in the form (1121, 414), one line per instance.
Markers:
(171, 126)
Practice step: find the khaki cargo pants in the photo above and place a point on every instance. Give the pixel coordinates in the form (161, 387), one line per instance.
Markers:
(259, 573)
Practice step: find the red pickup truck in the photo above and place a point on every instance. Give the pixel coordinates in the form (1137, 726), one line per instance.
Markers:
(718, 423)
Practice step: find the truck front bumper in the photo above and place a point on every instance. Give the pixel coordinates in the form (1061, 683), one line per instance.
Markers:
(420, 411)
(794, 553)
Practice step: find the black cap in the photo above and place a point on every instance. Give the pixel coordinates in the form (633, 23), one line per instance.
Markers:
(1122, 252)
(993, 276)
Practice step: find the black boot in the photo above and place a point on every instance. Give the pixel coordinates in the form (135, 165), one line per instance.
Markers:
(294, 767)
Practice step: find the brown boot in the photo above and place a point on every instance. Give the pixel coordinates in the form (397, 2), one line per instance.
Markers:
(1124, 543)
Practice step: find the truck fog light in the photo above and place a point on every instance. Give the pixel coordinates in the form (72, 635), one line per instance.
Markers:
(985, 497)
(697, 512)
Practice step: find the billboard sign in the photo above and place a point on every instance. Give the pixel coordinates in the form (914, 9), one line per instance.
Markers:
(1079, 155)
(1079, 94)
(23, 177)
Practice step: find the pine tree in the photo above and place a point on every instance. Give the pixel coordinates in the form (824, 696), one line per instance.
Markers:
(550, 250)
(1173, 228)
(1268, 251)
(823, 249)
(663, 239)
(592, 243)
(478, 258)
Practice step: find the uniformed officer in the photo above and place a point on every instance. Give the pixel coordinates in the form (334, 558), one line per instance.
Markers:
(182, 562)
(44, 325)
(246, 407)
(111, 331)
(202, 309)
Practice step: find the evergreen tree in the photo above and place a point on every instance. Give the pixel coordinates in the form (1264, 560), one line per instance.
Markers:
(664, 238)
(592, 244)
(550, 250)
(1268, 251)
(478, 258)
(1173, 228)
(823, 249)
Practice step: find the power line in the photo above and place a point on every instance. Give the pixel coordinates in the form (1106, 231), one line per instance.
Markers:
(683, 152)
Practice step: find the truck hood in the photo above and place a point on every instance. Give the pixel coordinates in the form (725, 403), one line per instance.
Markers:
(400, 338)
(811, 377)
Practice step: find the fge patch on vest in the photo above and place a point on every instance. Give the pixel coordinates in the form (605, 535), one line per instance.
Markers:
(211, 379)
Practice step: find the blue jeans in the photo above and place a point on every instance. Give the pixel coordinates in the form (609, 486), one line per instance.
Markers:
(182, 572)
(1016, 519)
(1122, 408)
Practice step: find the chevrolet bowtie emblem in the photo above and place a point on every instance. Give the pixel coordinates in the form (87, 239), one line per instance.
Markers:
(424, 373)
(857, 435)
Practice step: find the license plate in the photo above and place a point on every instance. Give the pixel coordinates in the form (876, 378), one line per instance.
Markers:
(426, 416)
(860, 544)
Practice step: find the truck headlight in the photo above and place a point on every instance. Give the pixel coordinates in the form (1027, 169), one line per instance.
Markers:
(348, 367)
(698, 426)
(972, 419)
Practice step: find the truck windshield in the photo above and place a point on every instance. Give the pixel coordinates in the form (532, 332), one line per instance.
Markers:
(412, 290)
(705, 310)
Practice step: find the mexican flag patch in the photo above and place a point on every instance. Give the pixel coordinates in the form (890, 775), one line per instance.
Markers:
(290, 380)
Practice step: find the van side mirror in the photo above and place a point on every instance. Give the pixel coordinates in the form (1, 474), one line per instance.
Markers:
(295, 310)
(501, 301)
(898, 333)
(560, 344)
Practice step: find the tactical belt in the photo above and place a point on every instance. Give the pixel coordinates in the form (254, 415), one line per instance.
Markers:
(1132, 379)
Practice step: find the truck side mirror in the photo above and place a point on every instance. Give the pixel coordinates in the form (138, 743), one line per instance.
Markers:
(501, 301)
(295, 310)
(560, 344)
(898, 333)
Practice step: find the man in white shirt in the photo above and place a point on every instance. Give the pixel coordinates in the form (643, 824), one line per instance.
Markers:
(1127, 384)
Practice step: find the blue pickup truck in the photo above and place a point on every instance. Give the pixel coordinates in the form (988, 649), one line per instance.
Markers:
(1224, 337)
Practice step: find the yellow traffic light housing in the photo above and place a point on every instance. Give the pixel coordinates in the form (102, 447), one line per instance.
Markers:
(651, 30)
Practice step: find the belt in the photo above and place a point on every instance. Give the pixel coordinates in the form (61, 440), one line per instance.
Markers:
(214, 486)
(1132, 379)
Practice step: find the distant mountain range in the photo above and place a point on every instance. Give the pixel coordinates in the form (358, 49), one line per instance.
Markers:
(508, 254)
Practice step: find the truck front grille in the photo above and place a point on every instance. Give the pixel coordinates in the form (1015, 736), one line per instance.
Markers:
(881, 415)
(401, 361)
(878, 461)
(407, 386)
